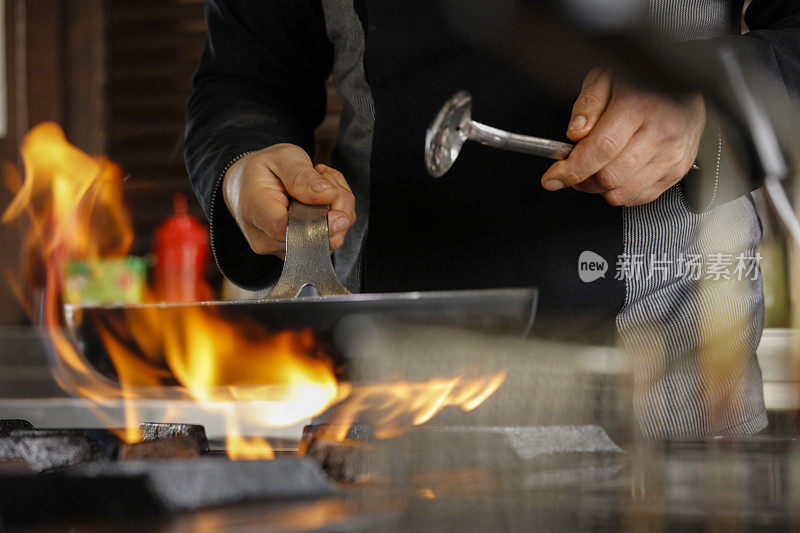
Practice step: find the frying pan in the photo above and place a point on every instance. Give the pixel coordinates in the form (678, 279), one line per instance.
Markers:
(308, 262)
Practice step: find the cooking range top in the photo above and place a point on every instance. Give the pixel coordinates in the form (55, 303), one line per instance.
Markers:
(431, 478)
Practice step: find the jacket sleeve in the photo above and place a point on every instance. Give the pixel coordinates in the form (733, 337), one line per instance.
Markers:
(770, 56)
(261, 81)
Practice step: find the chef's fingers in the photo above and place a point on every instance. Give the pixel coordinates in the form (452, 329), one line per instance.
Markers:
(343, 213)
(665, 171)
(345, 202)
(624, 171)
(343, 210)
(605, 142)
(670, 160)
(653, 182)
(293, 167)
(655, 190)
(589, 186)
(337, 240)
(590, 104)
(335, 174)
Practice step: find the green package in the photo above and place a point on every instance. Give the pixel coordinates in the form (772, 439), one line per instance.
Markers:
(105, 281)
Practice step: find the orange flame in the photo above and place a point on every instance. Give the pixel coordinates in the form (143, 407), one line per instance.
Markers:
(218, 365)
(73, 199)
(393, 407)
(76, 211)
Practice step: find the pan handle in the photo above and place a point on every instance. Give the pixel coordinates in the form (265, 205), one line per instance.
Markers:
(308, 254)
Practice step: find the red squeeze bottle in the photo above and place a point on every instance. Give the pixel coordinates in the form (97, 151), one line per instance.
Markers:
(181, 254)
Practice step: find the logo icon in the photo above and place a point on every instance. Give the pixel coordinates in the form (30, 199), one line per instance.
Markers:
(591, 266)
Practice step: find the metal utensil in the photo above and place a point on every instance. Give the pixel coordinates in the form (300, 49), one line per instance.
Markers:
(308, 262)
(453, 126)
(308, 258)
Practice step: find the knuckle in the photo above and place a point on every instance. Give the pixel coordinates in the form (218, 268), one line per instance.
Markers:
(273, 153)
(571, 177)
(654, 196)
(678, 159)
(347, 204)
(672, 126)
(606, 146)
(300, 177)
(281, 149)
(615, 197)
(588, 100)
(608, 179)
(648, 198)
(645, 198)
(347, 196)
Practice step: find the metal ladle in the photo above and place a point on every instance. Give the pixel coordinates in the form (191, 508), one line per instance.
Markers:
(454, 126)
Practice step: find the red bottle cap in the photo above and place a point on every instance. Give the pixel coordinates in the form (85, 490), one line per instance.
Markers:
(181, 229)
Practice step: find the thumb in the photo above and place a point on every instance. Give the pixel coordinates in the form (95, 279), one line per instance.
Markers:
(590, 104)
(296, 171)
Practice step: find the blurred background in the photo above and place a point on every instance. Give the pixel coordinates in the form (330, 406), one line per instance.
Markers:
(116, 75)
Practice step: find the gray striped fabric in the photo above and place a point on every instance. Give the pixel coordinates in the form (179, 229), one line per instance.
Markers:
(693, 342)
(682, 20)
(354, 146)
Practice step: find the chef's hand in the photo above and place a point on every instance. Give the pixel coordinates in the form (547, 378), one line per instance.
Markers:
(632, 145)
(258, 187)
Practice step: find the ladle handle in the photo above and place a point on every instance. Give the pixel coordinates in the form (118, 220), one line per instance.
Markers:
(308, 254)
(525, 144)
(515, 142)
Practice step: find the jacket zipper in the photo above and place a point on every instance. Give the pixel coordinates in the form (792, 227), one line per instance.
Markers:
(212, 206)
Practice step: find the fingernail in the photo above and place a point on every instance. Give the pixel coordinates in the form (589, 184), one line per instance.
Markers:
(340, 224)
(321, 185)
(553, 185)
(578, 123)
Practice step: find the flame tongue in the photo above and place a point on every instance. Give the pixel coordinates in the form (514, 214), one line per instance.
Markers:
(392, 408)
(222, 365)
(75, 205)
(75, 200)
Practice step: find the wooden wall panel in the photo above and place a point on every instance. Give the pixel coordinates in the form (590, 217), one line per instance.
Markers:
(152, 48)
